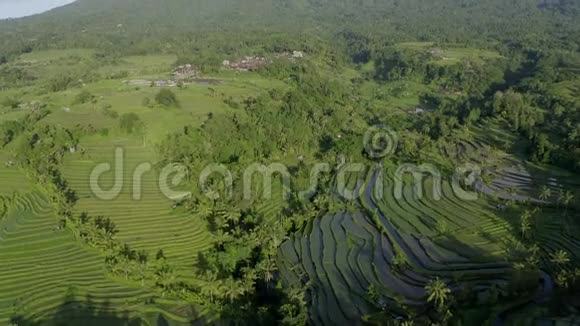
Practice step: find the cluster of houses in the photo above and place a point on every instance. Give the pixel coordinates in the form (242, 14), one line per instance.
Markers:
(438, 54)
(185, 72)
(451, 91)
(246, 63)
(33, 105)
(419, 110)
(189, 73)
(253, 63)
(152, 83)
(181, 74)
(297, 54)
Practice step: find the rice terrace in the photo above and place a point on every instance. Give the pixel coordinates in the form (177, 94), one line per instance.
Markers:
(300, 162)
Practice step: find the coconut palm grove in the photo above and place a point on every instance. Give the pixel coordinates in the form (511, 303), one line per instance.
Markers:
(291, 162)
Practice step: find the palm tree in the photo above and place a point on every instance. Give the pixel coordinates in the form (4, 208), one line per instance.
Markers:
(520, 266)
(563, 279)
(567, 198)
(560, 258)
(532, 260)
(250, 275)
(561, 196)
(575, 276)
(143, 259)
(232, 216)
(398, 262)
(212, 92)
(211, 289)
(512, 191)
(221, 237)
(373, 294)
(525, 225)
(525, 215)
(510, 202)
(268, 267)
(126, 266)
(164, 277)
(545, 193)
(438, 293)
(233, 290)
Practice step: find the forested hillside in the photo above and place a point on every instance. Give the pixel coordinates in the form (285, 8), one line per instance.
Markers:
(133, 26)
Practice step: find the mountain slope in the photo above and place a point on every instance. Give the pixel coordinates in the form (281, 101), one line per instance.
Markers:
(124, 23)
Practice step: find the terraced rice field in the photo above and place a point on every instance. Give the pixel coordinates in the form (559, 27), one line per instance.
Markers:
(556, 229)
(42, 264)
(528, 184)
(343, 254)
(150, 223)
(13, 179)
(464, 242)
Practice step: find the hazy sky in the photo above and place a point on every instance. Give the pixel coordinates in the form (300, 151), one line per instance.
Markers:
(20, 8)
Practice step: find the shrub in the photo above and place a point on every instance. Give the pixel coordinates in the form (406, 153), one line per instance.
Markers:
(60, 83)
(232, 103)
(119, 74)
(110, 113)
(11, 103)
(130, 123)
(83, 97)
(166, 97)
(146, 102)
(12, 76)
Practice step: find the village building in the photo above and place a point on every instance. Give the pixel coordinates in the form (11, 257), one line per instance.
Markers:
(298, 54)
(247, 63)
(419, 110)
(185, 72)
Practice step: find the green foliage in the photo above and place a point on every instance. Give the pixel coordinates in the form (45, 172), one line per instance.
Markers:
(146, 102)
(472, 21)
(541, 149)
(9, 130)
(13, 76)
(84, 97)
(110, 113)
(393, 65)
(438, 293)
(11, 103)
(118, 74)
(131, 123)
(60, 83)
(167, 98)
